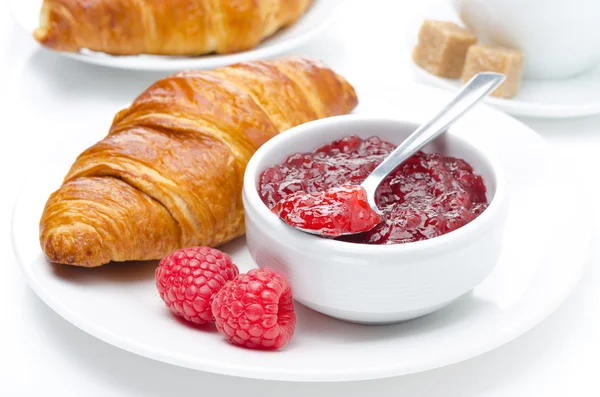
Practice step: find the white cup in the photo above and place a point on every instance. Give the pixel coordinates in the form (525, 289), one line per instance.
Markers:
(560, 38)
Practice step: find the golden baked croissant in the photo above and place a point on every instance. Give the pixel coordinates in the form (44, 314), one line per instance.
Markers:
(163, 27)
(169, 174)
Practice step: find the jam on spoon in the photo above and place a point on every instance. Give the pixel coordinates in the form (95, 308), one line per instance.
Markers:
(333, 213)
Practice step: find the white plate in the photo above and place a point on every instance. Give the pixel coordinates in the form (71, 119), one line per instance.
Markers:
(577, 96)
(544, 255)
(320, 15)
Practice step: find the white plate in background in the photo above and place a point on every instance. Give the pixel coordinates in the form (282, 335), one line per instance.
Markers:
(576, 96)
(317, 18)
(545, 252)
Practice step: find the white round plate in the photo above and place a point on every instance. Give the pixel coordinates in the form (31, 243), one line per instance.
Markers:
(319, 16)
(544, 254)
(577, 96)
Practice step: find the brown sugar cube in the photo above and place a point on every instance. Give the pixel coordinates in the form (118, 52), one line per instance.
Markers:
(442, 48)
(488, 58)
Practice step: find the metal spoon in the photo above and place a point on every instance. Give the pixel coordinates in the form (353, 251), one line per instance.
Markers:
(476, 89)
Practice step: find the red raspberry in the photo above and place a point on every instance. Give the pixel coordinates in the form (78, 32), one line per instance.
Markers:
(256, 310)
(188, 280)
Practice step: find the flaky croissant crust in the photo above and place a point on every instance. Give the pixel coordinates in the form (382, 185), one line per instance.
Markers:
(163, 27)
(169, 174)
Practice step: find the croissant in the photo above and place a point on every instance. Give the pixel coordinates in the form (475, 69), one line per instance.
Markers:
(169, 174)
(163, 27)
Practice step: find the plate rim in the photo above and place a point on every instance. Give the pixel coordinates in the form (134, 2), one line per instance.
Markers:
(513, 106)
(234, 369)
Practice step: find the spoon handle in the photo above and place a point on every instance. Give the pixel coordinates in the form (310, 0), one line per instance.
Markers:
(475, 89)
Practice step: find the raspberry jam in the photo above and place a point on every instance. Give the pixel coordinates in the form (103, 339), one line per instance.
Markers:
(332, 212)
(427, 196)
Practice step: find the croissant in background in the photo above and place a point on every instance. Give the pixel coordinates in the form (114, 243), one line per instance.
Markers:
(169, 174)
(163, 27)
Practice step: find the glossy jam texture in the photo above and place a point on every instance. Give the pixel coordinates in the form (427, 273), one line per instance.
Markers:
(429, 195)
(333, 212)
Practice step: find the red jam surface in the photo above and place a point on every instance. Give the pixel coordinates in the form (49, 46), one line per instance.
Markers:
(332, 212)
(427, 196)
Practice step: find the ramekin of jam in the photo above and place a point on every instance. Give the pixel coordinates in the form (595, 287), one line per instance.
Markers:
(443, 214)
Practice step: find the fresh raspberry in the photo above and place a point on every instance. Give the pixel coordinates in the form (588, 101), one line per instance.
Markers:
(256, 310)
(188, 280)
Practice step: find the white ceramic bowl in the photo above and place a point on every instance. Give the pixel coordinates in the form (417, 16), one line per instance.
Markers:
(374, 283)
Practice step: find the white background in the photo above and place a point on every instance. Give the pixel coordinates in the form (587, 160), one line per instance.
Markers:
(41, 354)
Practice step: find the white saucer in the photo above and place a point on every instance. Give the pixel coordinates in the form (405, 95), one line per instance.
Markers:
(319, 16)
(577, 96)
(542, 261)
